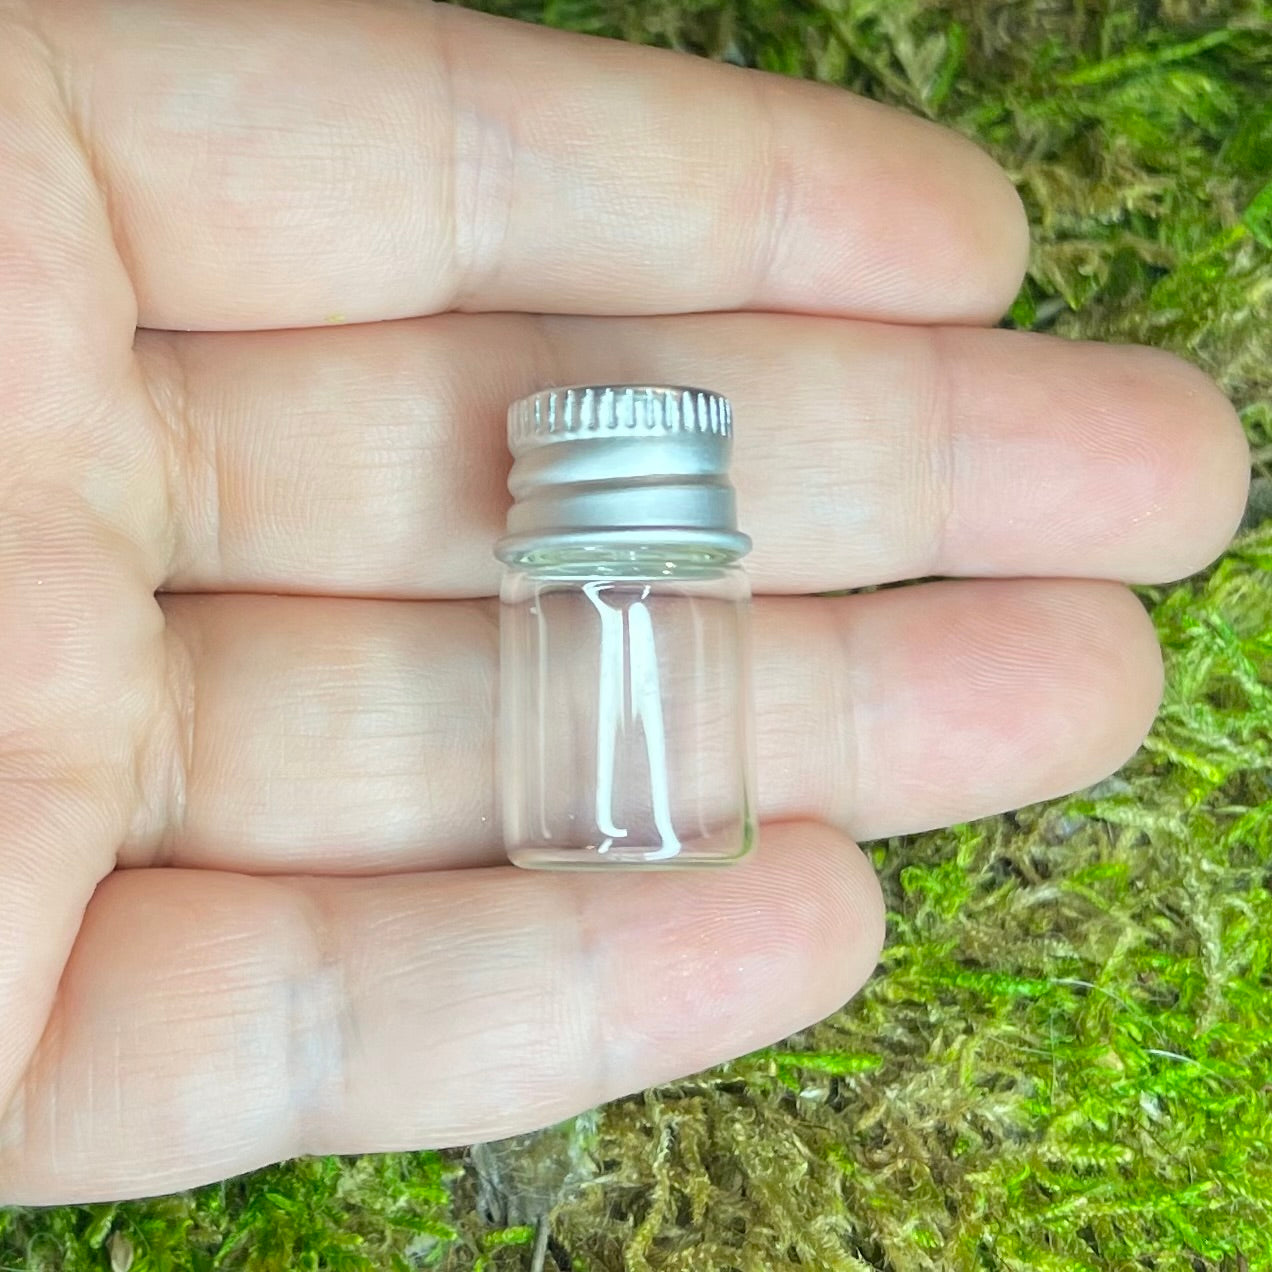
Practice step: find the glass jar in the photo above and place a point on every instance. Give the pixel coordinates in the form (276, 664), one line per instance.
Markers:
(626, 734)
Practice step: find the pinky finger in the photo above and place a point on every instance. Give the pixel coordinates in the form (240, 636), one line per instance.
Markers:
(211, 1023)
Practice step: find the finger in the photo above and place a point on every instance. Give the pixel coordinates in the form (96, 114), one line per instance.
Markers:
(357, 736)
(372, 460)
(301, 163)
(211, 1023)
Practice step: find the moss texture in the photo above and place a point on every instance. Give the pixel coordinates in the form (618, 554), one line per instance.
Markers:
(1067, 1061)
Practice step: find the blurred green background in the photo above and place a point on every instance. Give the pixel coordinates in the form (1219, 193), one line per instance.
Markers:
(1065, 1062)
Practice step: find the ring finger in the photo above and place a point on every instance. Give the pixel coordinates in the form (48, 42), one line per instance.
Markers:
(346, 736)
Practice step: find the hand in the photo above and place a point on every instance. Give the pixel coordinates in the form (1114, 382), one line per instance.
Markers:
(251, 902)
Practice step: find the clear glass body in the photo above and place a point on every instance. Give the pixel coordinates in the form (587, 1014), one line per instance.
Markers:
(626, 732)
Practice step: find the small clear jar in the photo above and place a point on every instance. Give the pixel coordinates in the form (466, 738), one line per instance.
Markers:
(626, 734)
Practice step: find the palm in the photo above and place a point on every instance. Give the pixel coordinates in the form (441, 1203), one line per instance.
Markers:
(310, 697)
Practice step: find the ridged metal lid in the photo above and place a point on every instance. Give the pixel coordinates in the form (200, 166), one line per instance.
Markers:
(620, 464)
(616, 409)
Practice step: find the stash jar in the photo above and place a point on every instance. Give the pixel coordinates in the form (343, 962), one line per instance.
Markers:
(625, 734)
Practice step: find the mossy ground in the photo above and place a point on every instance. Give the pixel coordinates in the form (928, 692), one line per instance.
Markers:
(1067, 1061)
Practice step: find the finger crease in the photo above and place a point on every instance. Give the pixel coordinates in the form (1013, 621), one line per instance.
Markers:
(937, 439)
(192, 460)
(481, 163)
(321, 1031)
(181, 741)
(167, 394)
(594, 993)
(775, 197)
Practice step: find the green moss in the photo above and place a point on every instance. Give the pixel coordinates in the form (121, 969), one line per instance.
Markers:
(389, 1211)
(1065, 1064)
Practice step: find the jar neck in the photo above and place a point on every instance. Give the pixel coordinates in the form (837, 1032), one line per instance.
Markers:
(717, 545)
(629, 561)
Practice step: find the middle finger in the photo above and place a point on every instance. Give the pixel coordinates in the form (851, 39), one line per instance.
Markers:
(371, 461)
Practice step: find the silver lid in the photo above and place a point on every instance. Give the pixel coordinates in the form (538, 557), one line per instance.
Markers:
(619, 464)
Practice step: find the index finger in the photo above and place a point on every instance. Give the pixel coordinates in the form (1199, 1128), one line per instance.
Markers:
(300, 162)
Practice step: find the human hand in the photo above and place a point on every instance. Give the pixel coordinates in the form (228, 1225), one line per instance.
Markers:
(250, 899)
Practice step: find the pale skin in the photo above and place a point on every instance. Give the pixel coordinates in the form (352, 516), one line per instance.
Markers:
(251, 899)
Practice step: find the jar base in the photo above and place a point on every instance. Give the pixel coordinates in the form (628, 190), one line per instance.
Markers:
(713, 851)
